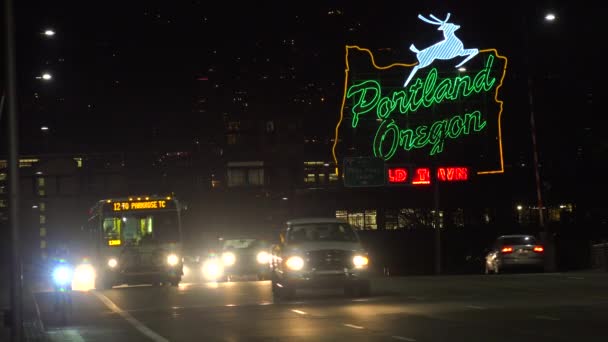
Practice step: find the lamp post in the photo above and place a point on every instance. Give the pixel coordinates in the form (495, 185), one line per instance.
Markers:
(549, 247)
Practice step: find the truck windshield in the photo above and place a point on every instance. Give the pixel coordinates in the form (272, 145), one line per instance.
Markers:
(341, 232)
(137, 229)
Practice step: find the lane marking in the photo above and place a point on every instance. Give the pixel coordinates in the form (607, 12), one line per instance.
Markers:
(475, 307)
(299, 312)
(577, 278)
(548, 318)
(353, 326)
(401, 338)
(65, 335)
(134, 322)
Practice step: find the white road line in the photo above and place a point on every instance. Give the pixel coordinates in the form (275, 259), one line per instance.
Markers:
(64, 335)
(401, 338)
(299, 312)
(548, 318)
(475, 307)
(577, 278)
(353, 326)
(134, 322)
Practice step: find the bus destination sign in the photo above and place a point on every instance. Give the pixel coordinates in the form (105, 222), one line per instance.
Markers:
(139, 205)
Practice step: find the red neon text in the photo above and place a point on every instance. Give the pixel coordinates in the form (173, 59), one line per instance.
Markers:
(397, 175)
(452, 174)
(422, 176)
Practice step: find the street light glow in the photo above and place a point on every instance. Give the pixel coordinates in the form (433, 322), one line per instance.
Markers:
(44, 128)
(550, 17)
(49, 33)
(46, 76)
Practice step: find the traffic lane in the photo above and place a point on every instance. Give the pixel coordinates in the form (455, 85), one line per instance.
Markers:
(88, 320)
(327, 315)
(498, 320)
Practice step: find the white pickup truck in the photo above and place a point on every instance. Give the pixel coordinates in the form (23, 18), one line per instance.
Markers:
(319, 253)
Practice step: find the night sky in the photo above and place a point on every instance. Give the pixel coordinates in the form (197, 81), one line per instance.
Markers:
(133, 71)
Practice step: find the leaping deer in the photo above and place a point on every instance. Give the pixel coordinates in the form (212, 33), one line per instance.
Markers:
(448, 48)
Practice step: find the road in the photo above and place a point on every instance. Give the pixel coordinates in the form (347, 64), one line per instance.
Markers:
(512, 307)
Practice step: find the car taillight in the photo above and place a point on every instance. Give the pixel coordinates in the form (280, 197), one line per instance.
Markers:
(539, 249)
(507, 249)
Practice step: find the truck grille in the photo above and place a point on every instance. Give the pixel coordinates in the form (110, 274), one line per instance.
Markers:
(329, 259)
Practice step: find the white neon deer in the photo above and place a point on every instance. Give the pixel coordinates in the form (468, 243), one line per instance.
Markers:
(448, 48)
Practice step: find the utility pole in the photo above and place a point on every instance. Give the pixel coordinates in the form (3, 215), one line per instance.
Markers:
(13, 171)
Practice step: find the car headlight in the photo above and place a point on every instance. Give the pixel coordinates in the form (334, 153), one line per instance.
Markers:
(295, 263)
(112, 262)
(360, 261)
(212, 270)
(172, 259)
(263, 257)
(228, 258)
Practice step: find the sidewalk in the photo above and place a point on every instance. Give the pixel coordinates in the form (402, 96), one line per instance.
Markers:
(33, 328)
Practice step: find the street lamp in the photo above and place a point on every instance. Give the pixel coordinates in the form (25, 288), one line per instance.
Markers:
(44, 128)
(46, 77)
(49, 33)
(550, 16)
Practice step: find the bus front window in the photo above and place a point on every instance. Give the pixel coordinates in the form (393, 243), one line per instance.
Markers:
(142, 229)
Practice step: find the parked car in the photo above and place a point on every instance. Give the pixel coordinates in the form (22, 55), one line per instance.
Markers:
(319, 252)
(514, 252)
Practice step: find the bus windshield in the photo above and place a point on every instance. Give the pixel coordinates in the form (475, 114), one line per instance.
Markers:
(140, 228)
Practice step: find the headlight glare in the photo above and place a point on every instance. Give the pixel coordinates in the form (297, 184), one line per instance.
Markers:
(295, 263)
(62, 275)
(263, 257)
(228, 258)
(360, 261)
(212, 270)
(172, 259)
(112, 262)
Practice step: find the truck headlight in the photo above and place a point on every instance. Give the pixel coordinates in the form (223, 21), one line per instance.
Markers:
(360, 261)
(263, 257)
(112, 262)
(172, 259)
(228, 258)
(295, 263)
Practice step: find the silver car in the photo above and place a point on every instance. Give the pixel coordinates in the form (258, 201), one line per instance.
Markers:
(514, 251)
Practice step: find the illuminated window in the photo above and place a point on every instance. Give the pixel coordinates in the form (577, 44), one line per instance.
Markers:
(42, 219)
(78, 161)
(342, 215)
(255, 176)
(41, 192)
(2, 176)
(333, 177)
(40, 182)
(370, 219)
(2, 204)
(231, 139)
(42, 206)
(236, 177)
(310, 178)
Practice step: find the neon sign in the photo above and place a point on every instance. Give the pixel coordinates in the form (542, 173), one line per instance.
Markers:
(397, 175)
(438, 113)
(452, 174)
(422, 175)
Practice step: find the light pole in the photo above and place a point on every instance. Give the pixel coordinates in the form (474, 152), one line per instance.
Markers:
(549, 247)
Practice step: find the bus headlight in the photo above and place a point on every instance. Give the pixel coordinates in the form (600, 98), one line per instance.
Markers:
(228, 258)
(360, 261)
(172, 259)
(295, 263)
(263, 257)
(112, 262)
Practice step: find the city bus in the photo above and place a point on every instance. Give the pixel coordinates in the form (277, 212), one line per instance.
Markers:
(136, 240)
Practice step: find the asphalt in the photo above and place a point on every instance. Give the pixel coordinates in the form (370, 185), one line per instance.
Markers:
(511, 307)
